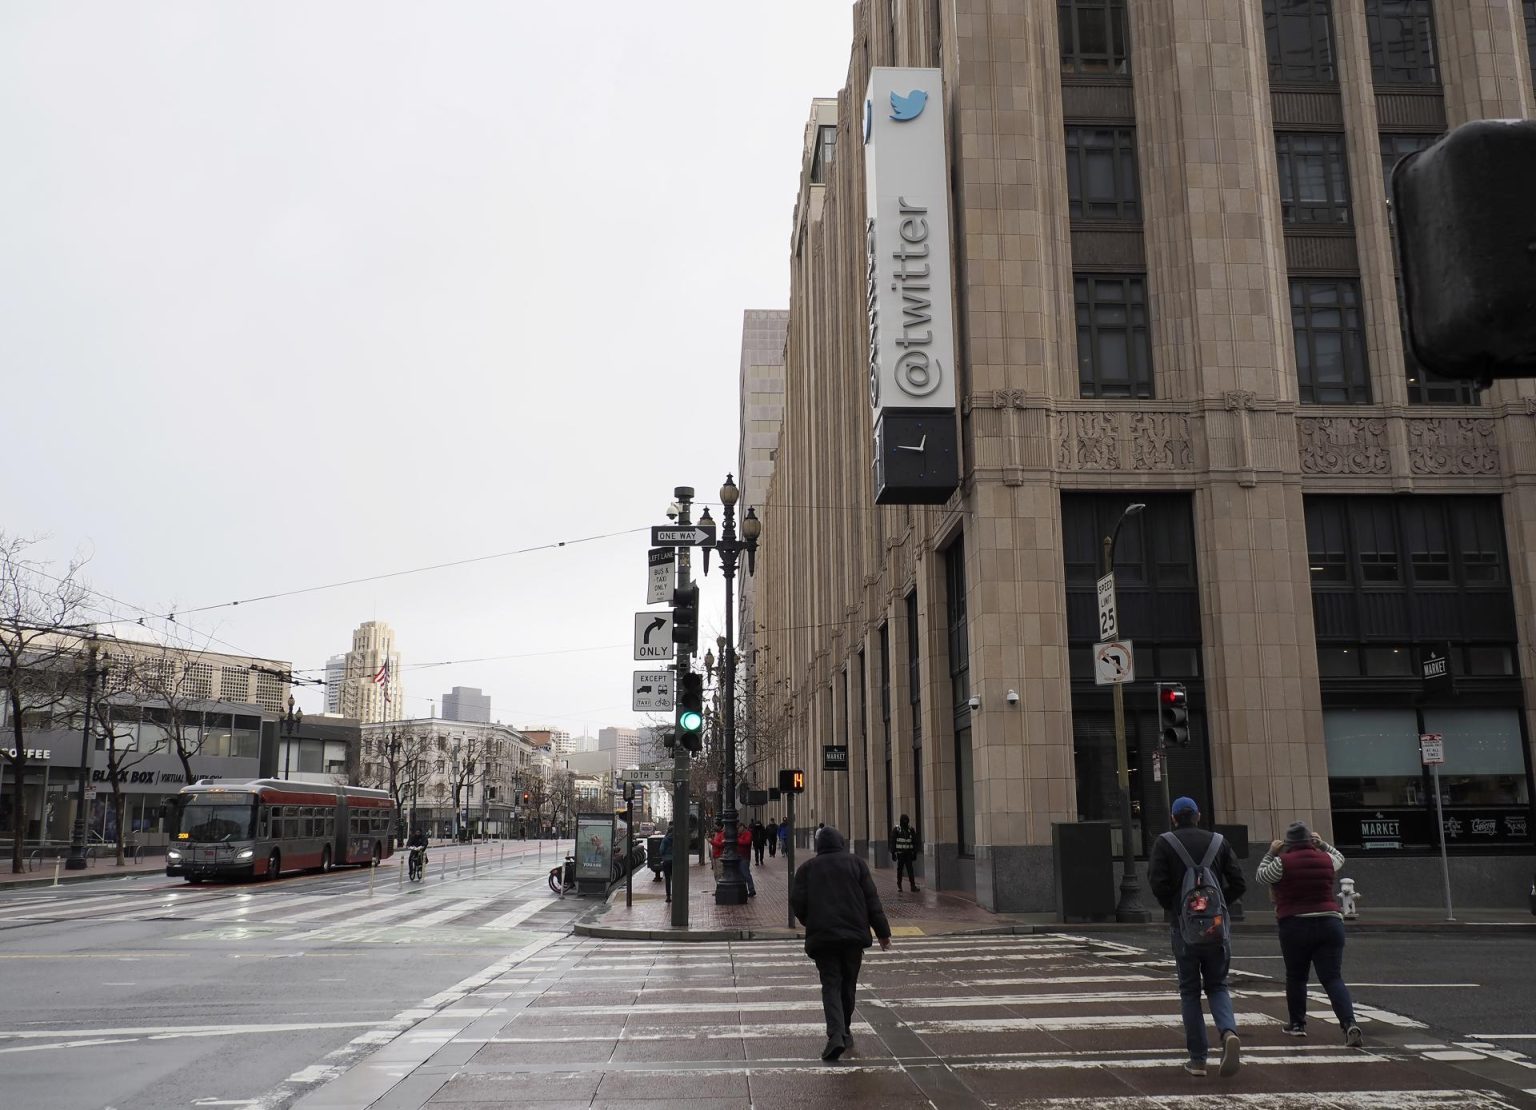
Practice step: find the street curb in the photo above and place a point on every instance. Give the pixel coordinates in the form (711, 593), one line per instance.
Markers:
(69, 878)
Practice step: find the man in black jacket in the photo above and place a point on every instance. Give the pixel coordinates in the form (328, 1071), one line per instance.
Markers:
(905, 844)
(1199, 966)
(834, 897)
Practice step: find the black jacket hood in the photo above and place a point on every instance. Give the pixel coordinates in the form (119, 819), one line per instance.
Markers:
(830, 840)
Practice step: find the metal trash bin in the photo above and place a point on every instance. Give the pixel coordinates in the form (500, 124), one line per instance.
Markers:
(653, 855)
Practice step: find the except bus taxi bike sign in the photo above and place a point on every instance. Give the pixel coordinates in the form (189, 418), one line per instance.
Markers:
(652, 692)
(653, 636)
(1113, 663)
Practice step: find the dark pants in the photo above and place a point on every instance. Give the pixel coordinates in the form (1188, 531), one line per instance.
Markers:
(839, 970)
(757, 850)
(773, 846)
(1308, 942)
(666, 877)
(1203, 968)
(904, 864)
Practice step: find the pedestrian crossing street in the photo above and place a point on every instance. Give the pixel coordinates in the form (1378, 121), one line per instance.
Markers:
(1019, 1023)
(455, 910)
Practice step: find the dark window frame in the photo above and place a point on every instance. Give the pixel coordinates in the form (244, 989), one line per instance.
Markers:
(1530, 32)
(1300, 157)
(1106, 17)
(825, 153)
(1309, 326)
(1086, 144)
(958, 627)
(1306, 19)
(1421, 63)
(1097, 331)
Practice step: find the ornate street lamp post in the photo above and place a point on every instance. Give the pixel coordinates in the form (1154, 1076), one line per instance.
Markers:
(731, 891)
(93, 673)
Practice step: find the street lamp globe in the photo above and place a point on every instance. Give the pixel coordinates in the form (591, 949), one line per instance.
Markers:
(728, 492)
(751, 527)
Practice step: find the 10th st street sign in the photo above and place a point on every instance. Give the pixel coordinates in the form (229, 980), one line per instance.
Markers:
(682, 535)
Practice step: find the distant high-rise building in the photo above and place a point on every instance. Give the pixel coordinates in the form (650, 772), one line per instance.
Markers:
(335, 678)
(372, 687)
(622, 743)
(467, 703)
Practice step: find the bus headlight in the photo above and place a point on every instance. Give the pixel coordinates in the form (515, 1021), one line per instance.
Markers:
(172, 854)
(247, 854)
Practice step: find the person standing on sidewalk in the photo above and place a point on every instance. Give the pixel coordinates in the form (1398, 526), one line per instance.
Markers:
(1205, 965)
(1299, 871)
(904, 848)
(784, 837)
(759, 840)
(834, 897)
(772, 836)
(666, 863)
(744, 858)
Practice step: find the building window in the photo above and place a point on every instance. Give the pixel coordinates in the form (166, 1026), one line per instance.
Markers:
(1394, 148)
(1101, 173)
(1330, 342)
(1093, 38)
(1530, 32)
(1402, 42)
(1298, 35)
(959, 635)
(1314, 178)
(885, 720)
(1114, 351)
(965, 793)
(826, 152)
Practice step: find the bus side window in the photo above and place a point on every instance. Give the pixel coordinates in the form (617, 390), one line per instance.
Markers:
(264, 822)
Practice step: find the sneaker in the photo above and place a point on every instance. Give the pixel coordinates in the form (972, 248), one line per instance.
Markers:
(916, 891)
(1230, 1047)
(1295, 1029)
(847, 1042)
(1194, 1067)
(1353, 1037)
(833, 1050)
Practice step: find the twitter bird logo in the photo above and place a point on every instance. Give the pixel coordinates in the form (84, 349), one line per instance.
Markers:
(908, 107)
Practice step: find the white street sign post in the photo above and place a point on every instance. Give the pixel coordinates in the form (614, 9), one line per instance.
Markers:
(1113, 663)
(1109, 624)
(1432, 754)
(653, 636)
(652, 692)
(663, 569)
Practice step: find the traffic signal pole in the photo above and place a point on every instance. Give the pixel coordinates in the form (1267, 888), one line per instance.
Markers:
(680, 752)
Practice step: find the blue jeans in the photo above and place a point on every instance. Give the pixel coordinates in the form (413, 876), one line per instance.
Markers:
(1308, 942)
(1203, 967)
(745, 861)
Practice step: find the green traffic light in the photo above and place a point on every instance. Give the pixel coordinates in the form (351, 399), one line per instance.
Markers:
(690, 721)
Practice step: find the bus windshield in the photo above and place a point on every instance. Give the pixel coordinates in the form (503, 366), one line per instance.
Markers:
(208, 822)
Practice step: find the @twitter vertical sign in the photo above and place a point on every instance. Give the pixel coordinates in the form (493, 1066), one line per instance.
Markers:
(909, 287)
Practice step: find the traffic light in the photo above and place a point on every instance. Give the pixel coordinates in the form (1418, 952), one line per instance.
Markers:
(685, 618)
(525, 797)
(690, 710)
(669, 738)
(1173, 714)
(1465, 226)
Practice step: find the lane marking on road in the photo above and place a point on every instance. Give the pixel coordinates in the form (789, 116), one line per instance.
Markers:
(180, 1030)
(515, 917)
(1352, 985)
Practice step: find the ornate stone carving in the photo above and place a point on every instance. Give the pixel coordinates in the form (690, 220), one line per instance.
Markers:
(1160, 441)
(1089, 441)
(1452, 445)
(1239, 400)
(1530, 406)
(1343, 445)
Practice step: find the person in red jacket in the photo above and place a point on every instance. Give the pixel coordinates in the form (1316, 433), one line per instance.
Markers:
(1299, 870)
(744, 858)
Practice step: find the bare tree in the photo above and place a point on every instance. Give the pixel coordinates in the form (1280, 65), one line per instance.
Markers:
(115, 717)
(180, 681)
(396, 767)
(561, 792)
(40, 650)
(466, 766)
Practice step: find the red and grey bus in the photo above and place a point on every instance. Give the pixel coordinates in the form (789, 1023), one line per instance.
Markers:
(268, 826)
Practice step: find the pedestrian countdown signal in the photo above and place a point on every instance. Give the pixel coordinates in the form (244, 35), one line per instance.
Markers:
(791, 782)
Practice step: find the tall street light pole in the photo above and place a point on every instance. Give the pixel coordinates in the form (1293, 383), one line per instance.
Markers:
(76, 860)
(292, 723)
(1129, 907)
(732, 891)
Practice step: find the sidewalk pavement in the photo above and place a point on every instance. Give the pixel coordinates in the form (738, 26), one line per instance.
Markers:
(928, 913)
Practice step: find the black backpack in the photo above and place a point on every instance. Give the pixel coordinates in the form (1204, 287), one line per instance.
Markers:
(1201, 913)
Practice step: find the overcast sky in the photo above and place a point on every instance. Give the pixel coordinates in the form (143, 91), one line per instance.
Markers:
(297, 293)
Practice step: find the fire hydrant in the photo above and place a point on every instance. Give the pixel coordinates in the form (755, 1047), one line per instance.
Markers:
(1347, 899)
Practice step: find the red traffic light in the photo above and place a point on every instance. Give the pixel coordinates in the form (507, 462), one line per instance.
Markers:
(1174, 697)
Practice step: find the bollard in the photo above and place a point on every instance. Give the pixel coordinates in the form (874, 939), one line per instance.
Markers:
(474, 861)
(400, 885)
(458, 864)
(442, 868)
(58, 863)
(372, 867)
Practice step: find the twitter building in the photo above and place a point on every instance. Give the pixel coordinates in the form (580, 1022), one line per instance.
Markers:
(1104, 473)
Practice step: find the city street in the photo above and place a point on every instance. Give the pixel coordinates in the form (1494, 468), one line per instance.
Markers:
(148, 992)
(470, 990)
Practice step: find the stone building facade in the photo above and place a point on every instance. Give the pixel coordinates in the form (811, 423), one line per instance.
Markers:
(1174, 285)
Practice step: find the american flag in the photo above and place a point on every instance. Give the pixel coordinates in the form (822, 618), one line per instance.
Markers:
(381, 678)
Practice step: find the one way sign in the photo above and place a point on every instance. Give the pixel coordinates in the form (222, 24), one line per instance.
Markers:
(653, 635)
